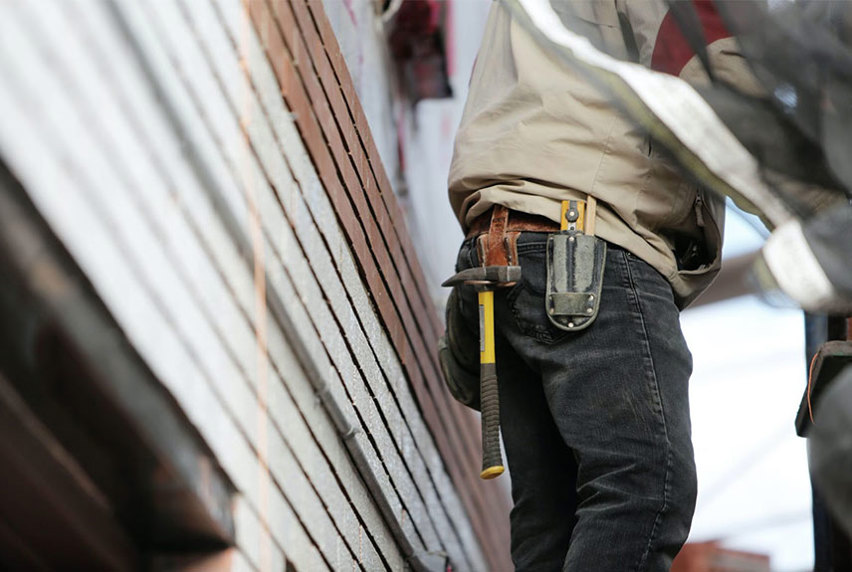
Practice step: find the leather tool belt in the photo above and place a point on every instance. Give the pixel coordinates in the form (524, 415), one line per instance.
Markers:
(575, 262)
(497, 232)
(515, 221)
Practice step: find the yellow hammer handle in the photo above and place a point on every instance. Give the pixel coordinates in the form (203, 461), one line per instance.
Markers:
(486, 326)
(492, 458)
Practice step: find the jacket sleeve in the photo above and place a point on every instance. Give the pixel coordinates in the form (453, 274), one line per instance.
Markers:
(662, 47)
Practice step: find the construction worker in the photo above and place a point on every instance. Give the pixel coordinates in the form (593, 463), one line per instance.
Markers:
(594, 406)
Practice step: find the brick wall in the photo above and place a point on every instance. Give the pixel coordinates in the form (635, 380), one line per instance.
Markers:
(249, 247)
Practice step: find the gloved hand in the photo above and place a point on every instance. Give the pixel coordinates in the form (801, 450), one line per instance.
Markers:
(458, 353)
(830, 448)
(811, 262)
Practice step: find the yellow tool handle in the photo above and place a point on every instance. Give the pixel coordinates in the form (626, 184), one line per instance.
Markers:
(486, 326)
(489, 391)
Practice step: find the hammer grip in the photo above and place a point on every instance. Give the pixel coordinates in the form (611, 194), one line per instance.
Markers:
(492, 459)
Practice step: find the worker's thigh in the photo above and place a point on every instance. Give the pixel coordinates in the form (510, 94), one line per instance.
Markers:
(541, 466)
(617, 394)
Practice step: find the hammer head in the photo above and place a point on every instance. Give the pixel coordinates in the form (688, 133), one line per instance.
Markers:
(491, 276)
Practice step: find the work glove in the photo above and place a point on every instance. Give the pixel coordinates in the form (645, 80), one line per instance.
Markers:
(810, 262)
(830, 448)
(458, 353)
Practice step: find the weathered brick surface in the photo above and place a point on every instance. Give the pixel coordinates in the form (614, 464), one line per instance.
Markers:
(325, 86)
(418, 355)
(220, 189)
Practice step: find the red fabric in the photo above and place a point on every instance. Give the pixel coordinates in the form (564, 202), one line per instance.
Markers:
(672, 51)
(450, 40)
(418, 45)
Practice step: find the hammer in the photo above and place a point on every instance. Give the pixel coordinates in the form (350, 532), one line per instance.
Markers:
(485, 279)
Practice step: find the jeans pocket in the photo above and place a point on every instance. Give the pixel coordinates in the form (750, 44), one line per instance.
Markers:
(467, 257)
(527, 298)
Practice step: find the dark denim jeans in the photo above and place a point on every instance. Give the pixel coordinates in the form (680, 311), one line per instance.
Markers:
(595, 423)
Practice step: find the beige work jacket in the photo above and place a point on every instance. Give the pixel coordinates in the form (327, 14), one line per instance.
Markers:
(535, 133)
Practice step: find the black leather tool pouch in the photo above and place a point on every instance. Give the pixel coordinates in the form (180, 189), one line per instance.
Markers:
(575, 267)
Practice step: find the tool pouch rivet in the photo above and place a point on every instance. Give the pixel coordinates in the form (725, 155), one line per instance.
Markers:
(575, 266)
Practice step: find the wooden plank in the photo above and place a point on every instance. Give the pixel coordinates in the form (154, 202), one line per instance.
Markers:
(434, 382)
(371, 157)
(471, 476)
(359, 300)
(43, 169)
(206, 281)
(318, 203)
(306, 325)
(254, 539)
(38, 157)
(262, 146)
(363, 130)
(392, 321)
(345, 84)
(40, 478)
(81, 133)
(500, 505)
(398, 282)
(244, 355)
(312, 297)
(105, 173)
(315, 68)
(276, 122)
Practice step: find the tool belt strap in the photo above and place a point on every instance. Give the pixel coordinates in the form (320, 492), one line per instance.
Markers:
(515, 221)
(495, 244)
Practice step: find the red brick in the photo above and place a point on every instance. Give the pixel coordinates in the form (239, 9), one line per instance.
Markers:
(335, 154)
(365, 173)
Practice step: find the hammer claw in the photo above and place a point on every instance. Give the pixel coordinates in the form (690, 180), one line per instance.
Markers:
(485, 275)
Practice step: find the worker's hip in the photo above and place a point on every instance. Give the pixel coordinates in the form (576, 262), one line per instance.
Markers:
(525, 304)
(614, 394)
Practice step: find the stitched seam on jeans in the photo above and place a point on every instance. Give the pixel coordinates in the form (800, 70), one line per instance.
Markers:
(528, 247)
(541, 334)
(634, 294)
